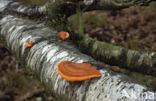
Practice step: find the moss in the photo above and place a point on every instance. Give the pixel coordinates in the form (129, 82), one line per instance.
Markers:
(96, 43)
(104, 44)
(95, 47)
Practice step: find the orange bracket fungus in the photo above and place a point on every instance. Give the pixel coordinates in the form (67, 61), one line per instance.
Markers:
(29, 44)
(63, 35)
(77, 71)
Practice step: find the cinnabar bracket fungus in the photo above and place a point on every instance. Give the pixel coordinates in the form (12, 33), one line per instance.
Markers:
(29, 44)
(77, 71)
(63, 35)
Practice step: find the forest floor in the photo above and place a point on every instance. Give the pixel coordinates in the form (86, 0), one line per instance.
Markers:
(133, 27)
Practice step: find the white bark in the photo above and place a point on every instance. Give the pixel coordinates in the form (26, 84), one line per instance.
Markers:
(49, 50)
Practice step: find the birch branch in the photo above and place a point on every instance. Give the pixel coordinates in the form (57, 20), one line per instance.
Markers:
(68, 7)
(144, 62)
(49, 50)
(105, 52)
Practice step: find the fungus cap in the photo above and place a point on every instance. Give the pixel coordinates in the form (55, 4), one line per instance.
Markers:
(77, 71)
(63, 35)
(29, 44)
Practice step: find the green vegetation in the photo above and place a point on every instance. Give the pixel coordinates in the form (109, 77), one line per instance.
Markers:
(90, 19)
(59, 22)
(80, 22)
